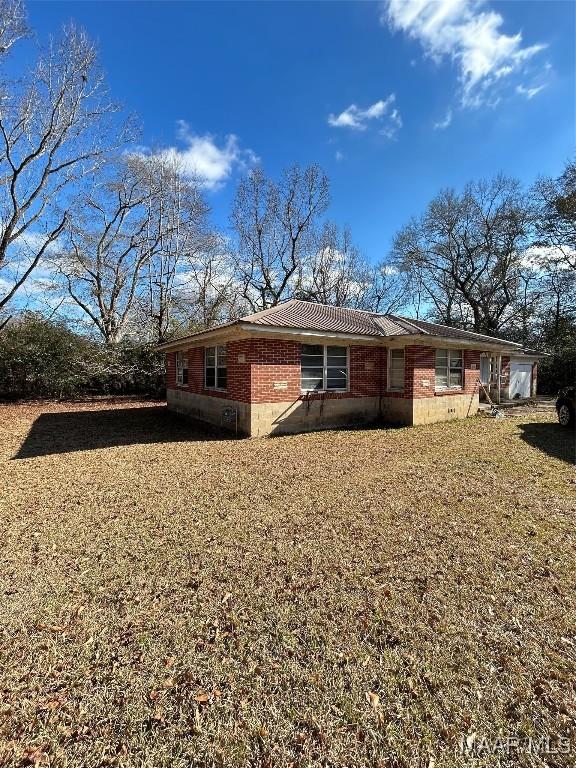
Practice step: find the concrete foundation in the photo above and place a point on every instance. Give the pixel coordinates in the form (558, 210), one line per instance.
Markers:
(428, 410)
(311, 414)
(261, 419)
(210, 409)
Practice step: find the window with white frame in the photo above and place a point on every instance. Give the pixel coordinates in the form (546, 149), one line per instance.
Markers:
(181, 368)
(449, 369)
(324, 368)
(396, 369)
(215, 370)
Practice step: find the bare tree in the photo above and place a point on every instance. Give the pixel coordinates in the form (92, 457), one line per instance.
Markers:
(13, 24)
(388, 289)
(107, 247)
(555, 220)
(51, 136)
(274, 224)
(177, 222)
(334, 272)
(466, 253)
(211, 294)
(529, 302)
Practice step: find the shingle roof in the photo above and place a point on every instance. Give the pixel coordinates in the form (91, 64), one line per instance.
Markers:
(311, 316)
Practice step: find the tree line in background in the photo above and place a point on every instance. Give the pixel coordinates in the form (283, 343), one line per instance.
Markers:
(116, 246)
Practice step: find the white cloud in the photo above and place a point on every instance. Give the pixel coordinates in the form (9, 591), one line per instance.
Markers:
(529, 92)
(382, 114)
(31, 242)
(204, 159)
(445, 122)
(537, 256)
(339, 155)
(467, 32)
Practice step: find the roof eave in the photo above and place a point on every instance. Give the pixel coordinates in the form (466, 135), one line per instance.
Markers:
(496, 345)
(209, 333)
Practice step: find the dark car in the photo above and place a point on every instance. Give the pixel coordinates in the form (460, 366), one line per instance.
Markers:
(566, 406)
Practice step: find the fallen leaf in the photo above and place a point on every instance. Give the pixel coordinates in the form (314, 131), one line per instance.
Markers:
(202, 698)
(373, 699)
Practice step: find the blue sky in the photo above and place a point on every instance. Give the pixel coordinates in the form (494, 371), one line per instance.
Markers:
(393, 100)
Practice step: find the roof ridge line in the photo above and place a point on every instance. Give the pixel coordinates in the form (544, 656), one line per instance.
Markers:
(410, 322)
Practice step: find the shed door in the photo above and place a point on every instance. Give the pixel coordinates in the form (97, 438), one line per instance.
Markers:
(520, 377)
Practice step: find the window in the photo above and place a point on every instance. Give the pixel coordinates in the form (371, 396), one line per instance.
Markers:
(181, 368)
(448, 369)
(324, 368)
(485, 369)
(215, 372)
(396, 369)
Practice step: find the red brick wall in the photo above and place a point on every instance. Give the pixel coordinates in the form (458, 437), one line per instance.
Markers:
(238, 373)
(367, 371)
(420, 365)
(277, 360)
(274, 360)
(471, 371)
(171, 371)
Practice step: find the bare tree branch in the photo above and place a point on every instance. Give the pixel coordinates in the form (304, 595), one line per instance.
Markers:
(465, 252)
(13, 24)
(52, 135)
(275, 225)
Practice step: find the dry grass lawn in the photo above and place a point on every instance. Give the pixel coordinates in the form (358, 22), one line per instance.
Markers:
(352, 598)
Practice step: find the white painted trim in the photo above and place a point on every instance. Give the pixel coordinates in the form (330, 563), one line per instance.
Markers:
(179, 370)
(448, 387)
(528, 359)
(388, 357)
(325, 373)
(215, 366)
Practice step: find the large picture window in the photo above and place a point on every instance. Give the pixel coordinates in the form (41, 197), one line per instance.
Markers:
(396, 369)
(181, 368)
(449, 369)
(324, 368)
(215, 371)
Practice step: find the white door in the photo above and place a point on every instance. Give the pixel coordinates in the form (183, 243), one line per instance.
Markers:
(520, 378)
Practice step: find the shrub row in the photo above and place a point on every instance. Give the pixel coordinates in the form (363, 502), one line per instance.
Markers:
(43, 358)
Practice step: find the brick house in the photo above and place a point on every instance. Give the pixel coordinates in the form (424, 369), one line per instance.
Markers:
(303, 366)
